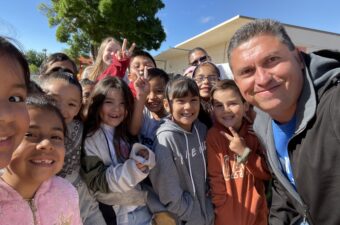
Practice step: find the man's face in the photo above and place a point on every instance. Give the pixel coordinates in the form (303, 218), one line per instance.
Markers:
(198, 57)
(269, 75)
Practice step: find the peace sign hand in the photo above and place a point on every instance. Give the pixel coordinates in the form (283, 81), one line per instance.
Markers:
(236, 143)
(123, 53)
(142, 85)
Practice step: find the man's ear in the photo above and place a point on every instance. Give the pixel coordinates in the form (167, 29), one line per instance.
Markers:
(299, 58)
(166, 105)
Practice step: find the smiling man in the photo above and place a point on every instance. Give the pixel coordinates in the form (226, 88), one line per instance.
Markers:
(298, 100)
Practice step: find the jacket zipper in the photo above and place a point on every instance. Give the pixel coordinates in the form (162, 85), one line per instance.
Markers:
(33, 208)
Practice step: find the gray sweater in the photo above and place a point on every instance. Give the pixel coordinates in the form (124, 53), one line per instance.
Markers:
(180, 176)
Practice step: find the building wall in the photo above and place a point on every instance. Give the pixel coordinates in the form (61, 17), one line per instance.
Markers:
(308, 40)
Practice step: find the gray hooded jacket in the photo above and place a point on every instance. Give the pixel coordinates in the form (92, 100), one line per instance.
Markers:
(180, 176)
(313, 150)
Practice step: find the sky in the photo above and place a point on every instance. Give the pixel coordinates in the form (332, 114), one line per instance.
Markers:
(181, 19)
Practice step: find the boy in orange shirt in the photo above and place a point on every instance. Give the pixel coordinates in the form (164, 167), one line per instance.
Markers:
(236, 165)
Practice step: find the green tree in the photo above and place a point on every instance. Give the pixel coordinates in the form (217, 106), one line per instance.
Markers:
(34, 57)
(33, 69)
(83, 24)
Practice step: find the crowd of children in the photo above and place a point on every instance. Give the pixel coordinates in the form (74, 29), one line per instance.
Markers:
(127, 144)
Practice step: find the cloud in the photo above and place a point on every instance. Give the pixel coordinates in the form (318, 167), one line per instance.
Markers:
(207, 19)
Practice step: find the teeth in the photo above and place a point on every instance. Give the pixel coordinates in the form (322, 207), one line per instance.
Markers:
(3, 138)
(43, 161)
(187, 114)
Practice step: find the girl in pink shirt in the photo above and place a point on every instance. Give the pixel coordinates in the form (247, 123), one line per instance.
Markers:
(30, 193)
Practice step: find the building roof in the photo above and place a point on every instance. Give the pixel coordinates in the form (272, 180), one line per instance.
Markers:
(221, 33)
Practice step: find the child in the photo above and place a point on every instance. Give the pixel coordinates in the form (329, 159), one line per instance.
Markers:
(67, 93)
(179, 177)
(30, 193)
(139, 61)
(112, 60)
(58, 61)
(107, 167)
(14, 82)
(206, 75)
(87, 87)
(236, 165)
(148, 117)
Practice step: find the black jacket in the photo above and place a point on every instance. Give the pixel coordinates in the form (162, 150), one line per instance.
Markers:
(314, 149)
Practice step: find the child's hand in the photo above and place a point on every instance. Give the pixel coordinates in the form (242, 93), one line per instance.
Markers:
(123, 53)
(142, 85)
(143, 153)
(141, 166)
(236, 143)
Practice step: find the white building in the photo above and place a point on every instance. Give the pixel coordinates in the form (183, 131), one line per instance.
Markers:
(216, 40)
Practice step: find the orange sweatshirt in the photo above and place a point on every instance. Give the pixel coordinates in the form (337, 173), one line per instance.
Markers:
(237, 190)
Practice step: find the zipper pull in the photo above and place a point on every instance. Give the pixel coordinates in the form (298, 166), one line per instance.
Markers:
(304, 222)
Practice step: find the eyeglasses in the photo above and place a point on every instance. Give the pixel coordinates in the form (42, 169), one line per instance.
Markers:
(211, 79)
(200, 60)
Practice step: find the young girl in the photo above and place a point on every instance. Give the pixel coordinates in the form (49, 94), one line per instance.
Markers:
(30, 193)
(108, 169)
(236, 164)
(14, 82)
(180, 176)
(67, 93)
(206, 75)
(112, 59)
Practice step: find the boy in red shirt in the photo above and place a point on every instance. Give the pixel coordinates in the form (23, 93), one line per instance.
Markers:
(236, 165)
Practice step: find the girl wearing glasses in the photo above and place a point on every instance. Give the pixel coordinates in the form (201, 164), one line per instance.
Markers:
(206, 75)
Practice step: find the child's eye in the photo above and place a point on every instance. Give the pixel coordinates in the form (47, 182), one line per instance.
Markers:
(28, 134)
(218, 105)
(16, 99)
(57, 137)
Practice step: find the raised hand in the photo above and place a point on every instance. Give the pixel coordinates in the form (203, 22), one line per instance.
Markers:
(142, 85)
(236, 143)
(123, 53)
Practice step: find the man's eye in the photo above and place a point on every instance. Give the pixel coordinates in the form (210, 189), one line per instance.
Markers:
(15, 99)
(247, 71)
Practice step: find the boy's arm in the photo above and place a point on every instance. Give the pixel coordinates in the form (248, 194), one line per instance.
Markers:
(137, 116)
(166, 183)
(142, 88)
(216, 179)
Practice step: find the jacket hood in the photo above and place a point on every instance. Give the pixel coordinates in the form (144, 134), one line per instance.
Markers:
(322, 66)
(169, 125)
(184, 145)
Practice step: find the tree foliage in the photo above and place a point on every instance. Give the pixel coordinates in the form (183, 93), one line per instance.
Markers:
(83, 24)
(34, 57)
(34, 60)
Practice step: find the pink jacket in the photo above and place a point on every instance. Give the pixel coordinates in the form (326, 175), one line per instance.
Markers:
(55, 203)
